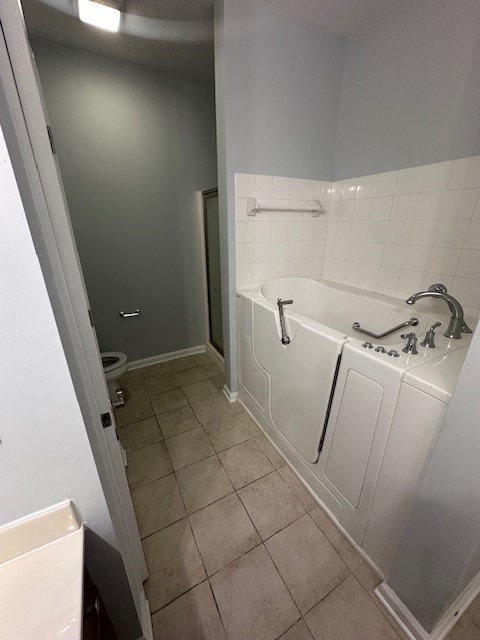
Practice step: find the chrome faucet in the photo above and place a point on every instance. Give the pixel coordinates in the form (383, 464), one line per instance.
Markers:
(285, 338)
(429, 340)
(457, 325)
(411, 347)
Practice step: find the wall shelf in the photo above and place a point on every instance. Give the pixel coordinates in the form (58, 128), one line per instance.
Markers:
(253, 207)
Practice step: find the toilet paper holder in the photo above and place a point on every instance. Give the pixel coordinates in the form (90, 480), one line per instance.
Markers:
(130, 314)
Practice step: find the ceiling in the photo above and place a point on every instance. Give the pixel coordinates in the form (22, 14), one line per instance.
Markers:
(173, 35)
(177, 35)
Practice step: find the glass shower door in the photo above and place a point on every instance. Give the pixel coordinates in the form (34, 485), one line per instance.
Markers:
(212, 250)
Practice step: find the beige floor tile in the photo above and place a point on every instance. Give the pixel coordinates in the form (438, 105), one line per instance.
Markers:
(223, 532)
(297, 488)
(250, 423)
(195, 374)
(252, 599)
(139, 434)
(465, 629)
(226, 433)
(197, 391)
(245, 463)
(367, 577)
(202, 483)
(173, 562)
(348, 554)
(213, 409)
(202, 359)
(307, 562)
(157, 504)
(188, 447)
(211, 370)
(133, 387)
(168, 400)
(193, 616)
(177, 421)
(180, 364)
(348, 613)
(147, 464)
(218, 382)
(134, 411)
(163, 382)
(270, 504)
(299, 631)
(473, 611)
(158, 369)
(269, 450)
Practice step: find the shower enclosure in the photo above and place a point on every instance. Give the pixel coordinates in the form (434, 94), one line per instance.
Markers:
(212, 259)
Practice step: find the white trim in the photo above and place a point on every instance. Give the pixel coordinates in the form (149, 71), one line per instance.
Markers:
(231, 396)
(213, 353)
(146, 618)
(410, 624)
(163, 357)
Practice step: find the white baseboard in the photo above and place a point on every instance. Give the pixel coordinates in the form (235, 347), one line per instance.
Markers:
(232, 396)
(219, 361)
(410, 624)
(146, 619)
(163, 357)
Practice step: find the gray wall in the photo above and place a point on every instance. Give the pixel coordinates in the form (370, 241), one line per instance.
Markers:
(439, 551)
(133, 145)
(411, 89)
(283, 81)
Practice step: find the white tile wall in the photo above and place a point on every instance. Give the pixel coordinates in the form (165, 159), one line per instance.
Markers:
(394, 233)
(275, 244)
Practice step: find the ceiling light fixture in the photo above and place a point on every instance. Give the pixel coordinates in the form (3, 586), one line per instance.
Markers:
(101, 15)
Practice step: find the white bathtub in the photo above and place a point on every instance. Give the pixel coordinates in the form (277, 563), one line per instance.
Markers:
(356, 423)
(338, 307)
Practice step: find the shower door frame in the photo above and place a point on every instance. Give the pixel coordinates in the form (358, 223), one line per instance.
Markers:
(214, 349)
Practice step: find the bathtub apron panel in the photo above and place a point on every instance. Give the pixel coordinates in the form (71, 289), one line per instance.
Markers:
(362, 409)
(301, 374)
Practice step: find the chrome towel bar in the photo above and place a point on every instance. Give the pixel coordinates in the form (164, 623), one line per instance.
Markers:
(409, 323)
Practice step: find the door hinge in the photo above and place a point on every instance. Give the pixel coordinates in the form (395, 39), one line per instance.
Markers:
(106, 420)
(50, 137)
(90, 317)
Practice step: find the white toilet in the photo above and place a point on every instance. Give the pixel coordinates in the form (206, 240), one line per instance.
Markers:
(115, 364)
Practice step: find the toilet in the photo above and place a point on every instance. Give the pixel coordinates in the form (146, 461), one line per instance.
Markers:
(115, 364)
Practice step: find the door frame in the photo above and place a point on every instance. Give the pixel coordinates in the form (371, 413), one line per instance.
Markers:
(211, 348)
(52, 235)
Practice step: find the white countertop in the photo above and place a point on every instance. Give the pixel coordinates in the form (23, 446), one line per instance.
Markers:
(41, 576)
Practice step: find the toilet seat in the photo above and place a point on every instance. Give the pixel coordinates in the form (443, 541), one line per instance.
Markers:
(112, 360)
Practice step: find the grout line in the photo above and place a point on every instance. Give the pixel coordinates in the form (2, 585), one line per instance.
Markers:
(152, 613)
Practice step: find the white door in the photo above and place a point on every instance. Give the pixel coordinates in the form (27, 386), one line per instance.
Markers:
(68, 281)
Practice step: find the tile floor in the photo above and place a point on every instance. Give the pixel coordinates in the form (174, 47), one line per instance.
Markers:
(236, 547)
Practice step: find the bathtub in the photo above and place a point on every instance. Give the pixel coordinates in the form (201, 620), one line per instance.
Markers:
(355, 420)
(338, 307)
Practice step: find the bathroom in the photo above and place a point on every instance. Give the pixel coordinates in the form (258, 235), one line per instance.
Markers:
(255, 189)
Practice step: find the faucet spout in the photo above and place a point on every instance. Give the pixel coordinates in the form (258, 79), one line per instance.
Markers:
(456, 325)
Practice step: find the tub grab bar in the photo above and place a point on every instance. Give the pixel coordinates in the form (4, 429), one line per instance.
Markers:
(412, 322)
(285, 339)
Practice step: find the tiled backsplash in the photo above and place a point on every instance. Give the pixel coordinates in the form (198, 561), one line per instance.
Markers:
(394, 233)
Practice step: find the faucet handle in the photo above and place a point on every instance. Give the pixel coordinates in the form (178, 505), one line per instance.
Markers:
(411, 346)
(429, 340)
